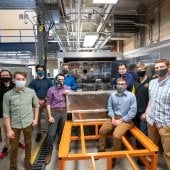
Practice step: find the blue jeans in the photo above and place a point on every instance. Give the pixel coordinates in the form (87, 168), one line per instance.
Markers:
(56, 128)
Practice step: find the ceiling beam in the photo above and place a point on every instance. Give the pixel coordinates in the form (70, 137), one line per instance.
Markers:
(17, 4)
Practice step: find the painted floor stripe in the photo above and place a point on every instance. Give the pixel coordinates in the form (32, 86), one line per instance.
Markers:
(37, 150)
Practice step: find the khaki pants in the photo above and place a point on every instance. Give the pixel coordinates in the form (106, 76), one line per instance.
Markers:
(118, 132)
(155, 133)
(5, 142)
(14, 146)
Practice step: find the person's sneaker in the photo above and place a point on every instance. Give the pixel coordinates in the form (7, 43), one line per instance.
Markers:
(21, 146)
(4, 153)
(38, 137)
(28, 166)
(48, 159)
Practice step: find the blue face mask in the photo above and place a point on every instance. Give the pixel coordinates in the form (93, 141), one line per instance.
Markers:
(40, 73)
(20, 84)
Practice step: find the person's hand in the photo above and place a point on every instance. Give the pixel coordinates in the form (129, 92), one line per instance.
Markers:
(113, 121)
(66, 91)
(34, 122)
(41, 102)
(143, 117)
(51, 119)
(11, 134)
(118, 121)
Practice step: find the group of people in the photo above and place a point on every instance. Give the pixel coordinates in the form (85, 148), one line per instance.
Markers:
(144, 102)
(21, 108)
(138, 100)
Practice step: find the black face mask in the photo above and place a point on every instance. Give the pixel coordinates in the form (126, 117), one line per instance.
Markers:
(60, 84)
(65, 71)
(161, 72)
(141, 73)
(6, 79)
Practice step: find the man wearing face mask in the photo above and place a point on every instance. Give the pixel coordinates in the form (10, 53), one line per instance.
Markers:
(40, 84)
(69, 79)
(121, 110)
(56, 108)
(6, 84)
(142, 97)
(20, 112)
(158, 111)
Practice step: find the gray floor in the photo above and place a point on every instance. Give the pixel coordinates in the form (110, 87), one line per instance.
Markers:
(4, 163)
(121, 164)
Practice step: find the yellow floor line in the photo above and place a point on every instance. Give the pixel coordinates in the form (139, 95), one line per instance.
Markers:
(36, 151)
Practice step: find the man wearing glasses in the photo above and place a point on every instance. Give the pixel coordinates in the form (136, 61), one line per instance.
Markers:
(121, 110)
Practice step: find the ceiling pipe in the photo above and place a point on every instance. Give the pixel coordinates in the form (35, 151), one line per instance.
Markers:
(81, 24)
(107, 12)
(78, 24)
(71, 11)
(139, 24)
(62, 5)
(106, 40)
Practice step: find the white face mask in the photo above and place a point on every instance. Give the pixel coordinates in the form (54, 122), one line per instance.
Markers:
(20, 84)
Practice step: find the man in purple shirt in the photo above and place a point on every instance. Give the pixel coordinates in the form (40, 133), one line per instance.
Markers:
(57, 115)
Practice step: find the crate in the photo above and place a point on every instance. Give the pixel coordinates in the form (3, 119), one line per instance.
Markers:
(88, 105)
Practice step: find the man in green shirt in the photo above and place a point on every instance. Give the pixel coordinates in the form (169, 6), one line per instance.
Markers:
(18, 105)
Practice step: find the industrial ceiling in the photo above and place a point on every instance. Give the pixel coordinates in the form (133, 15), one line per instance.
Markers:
(67, 22)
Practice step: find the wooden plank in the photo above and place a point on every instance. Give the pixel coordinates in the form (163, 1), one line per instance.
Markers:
(114, 154)
(126, 143)
(65, 140)
(150, 150)
(83, 147)
(109, 163)
(132, 162)
(93, 163)
(144, 140)
(61, 164)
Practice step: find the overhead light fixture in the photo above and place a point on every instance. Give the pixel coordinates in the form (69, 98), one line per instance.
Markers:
(90, 40)
(105, 1)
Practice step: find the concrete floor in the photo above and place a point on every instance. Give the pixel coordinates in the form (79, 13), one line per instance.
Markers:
(121, 163)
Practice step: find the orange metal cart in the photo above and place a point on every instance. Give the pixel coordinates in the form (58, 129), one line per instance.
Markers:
(148, 155)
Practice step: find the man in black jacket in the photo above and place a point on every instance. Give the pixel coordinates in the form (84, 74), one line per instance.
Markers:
(6, 84)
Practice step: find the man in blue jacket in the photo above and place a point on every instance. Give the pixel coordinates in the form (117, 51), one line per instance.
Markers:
(69, 79)
(122, 72)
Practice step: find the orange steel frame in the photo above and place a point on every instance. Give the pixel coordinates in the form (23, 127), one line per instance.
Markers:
(148, 155)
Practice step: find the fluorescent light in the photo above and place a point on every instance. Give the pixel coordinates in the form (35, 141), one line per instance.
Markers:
(105, 1)
(90, 40)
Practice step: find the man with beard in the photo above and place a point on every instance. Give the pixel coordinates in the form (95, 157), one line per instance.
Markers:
(158, 111)
(57, 115)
